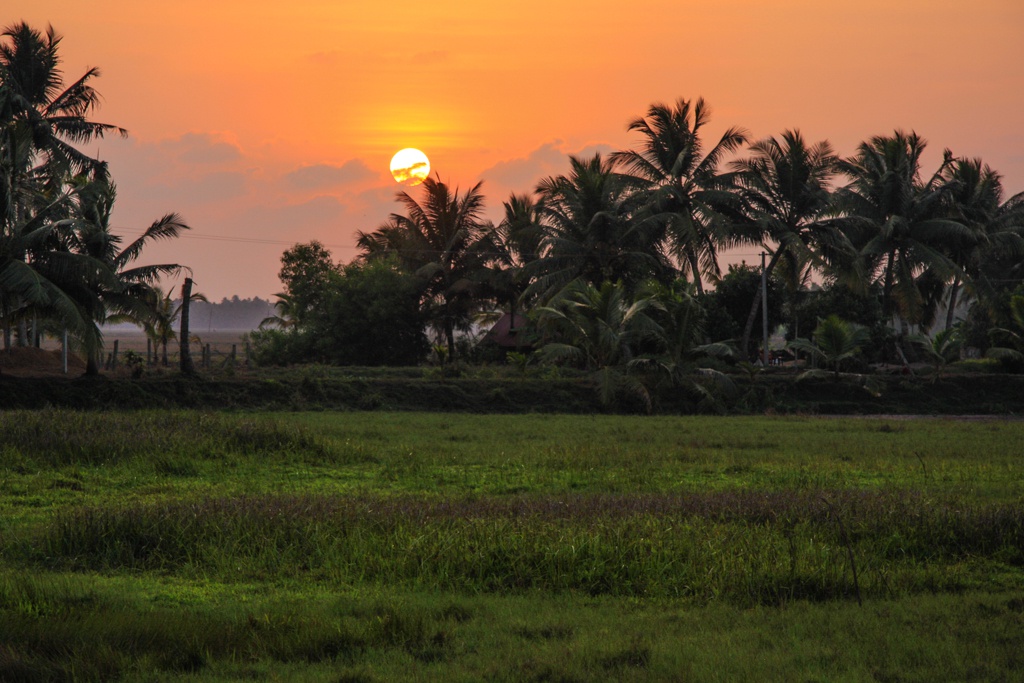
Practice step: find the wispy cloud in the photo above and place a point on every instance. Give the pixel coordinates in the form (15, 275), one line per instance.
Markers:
(321, 176)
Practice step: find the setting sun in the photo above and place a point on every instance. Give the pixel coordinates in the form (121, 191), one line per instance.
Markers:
(410, 166)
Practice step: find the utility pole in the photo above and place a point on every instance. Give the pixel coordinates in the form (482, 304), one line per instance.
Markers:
(764, 310)
(187, 368)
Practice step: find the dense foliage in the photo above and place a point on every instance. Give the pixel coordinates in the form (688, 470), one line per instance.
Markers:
(61, 266)
(874, 239)
(364, 314)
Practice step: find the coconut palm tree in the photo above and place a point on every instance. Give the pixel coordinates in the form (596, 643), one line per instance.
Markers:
(55, 115)
(1010, 340)
(286, 318)
(36, 277)
(672, 348)
(435, 239)
(786, 190)
(940, 350)
(683, 189)
(898, 221)
(592, 232)
(125, 294)
(835, 341)
(996, 250)
(597, 329)
(163, 314)
(510, 247)
(41, 121)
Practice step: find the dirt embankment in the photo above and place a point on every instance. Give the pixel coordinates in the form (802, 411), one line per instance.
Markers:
(32, 362)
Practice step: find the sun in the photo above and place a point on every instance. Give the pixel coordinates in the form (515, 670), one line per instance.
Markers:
(410, 166)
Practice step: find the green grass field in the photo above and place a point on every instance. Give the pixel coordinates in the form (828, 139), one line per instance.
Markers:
(202, 546)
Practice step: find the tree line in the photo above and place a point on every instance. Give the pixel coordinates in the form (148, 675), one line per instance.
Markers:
(610, 260)
(63, 272)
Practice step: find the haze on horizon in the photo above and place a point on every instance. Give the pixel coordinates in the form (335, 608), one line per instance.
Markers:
(265, 124)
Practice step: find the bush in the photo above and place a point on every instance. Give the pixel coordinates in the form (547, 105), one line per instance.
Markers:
(369, 314)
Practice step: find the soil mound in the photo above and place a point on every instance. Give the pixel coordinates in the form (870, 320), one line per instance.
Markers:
(32, 362)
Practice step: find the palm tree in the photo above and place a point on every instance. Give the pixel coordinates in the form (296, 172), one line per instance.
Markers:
(40, 122)
(1011, 339)
(36, 277)
(55, 116)
(510, 247)
(897, 221)
(997, 226)
(684, 192)
(591, 231)
(941, 349)
(674, 343)
(785, 185)
(125, 295)
(286, 318)
(835, 341)
(163, 314)
(598, 329)
(436, 240)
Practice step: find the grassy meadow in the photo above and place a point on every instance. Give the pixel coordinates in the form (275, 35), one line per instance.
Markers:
(204, 546)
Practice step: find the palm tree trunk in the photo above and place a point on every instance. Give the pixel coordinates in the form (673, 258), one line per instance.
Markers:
(695, 269)
(449, 335)
(954, 290)
(165, 352)
(887, 287)
(187, 367)
(748, 329)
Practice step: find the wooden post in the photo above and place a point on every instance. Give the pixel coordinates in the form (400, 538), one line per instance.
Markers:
(187, 368)
(764, 313)
(113, 360)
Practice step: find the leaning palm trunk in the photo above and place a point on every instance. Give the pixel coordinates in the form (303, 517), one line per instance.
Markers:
(695, 268)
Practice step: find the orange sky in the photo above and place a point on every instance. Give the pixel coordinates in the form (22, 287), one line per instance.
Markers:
(270, 123)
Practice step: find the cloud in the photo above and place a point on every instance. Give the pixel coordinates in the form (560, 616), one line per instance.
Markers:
(551, 159)
(320, 176)
(314, 217)
(522, 174)
(209, 187)
(202, 148)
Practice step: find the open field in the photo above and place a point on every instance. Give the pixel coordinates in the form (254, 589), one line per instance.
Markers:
(382, 546)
